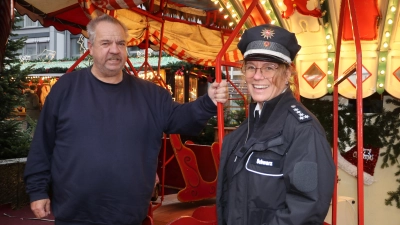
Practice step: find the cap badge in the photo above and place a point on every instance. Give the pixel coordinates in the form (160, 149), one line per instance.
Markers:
(267, 33)
(267, 43)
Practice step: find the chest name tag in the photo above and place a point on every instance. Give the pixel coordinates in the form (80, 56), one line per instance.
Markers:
(264, 162)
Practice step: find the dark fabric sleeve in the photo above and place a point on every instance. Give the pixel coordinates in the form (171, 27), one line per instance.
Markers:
(37, 175)
(189, 118)
(309, 179)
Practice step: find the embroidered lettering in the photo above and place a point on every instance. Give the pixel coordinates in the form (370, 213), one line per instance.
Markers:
(265, 163)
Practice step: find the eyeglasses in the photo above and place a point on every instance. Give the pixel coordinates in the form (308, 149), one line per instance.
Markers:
(267, 70)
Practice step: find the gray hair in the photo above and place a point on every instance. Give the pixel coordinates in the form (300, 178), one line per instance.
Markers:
(91, 27)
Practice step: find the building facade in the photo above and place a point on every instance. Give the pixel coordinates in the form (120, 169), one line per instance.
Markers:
(47, 43)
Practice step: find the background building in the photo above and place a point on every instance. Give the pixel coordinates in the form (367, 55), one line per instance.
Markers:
(47, 42)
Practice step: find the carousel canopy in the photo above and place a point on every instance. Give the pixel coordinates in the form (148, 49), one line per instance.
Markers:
(196, 30)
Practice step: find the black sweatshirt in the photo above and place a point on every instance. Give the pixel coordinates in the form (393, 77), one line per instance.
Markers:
(96, 146)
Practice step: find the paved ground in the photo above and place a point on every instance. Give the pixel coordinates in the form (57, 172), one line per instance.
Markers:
(22, 216)
(169, 210)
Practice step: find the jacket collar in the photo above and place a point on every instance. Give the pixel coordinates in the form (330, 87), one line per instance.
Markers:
(273, 116)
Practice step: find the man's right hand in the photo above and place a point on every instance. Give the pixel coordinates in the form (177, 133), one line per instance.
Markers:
(41, 208)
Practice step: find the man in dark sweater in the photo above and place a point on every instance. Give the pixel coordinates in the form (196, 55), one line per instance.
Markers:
(97, 142)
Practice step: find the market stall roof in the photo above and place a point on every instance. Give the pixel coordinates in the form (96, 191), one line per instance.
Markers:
(195, 31)
(136, 62)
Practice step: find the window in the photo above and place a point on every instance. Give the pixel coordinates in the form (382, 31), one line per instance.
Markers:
(192, 88)
(75, 47)
(30, 49)
(179, 88)
(42, 47)
(30, 23)
(36, 50)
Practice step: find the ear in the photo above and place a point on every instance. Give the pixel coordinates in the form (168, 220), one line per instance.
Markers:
(90, 46)
(288, 73)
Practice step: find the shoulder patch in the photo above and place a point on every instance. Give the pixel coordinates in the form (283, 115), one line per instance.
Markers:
(299, 114)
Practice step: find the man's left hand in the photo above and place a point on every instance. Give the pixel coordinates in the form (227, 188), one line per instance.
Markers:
(218, 92)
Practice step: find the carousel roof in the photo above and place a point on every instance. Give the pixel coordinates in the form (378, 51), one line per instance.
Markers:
(196, 30)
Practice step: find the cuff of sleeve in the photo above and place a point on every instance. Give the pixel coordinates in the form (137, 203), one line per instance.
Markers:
(38, 196)
(209, 104)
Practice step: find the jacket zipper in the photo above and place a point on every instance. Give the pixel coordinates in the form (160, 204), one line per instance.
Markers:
(247, 137)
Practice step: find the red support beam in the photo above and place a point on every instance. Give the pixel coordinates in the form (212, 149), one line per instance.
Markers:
(360, 158)
(233, 85)
(76, 63)
(218, 64)
(336, 112)
(360, 131)
(159, 57)
(132, 68)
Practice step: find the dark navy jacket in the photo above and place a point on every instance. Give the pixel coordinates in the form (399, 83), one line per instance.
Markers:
(283, 173)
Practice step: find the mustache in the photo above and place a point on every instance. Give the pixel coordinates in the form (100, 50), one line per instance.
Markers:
(114, 58)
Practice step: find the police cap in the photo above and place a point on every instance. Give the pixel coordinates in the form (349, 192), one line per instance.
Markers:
(269, 43)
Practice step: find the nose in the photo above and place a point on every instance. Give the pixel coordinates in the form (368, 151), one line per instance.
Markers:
(114, 48)
(258, 75)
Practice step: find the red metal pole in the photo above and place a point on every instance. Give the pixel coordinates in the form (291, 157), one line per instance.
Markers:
(164, 165)
(246, 108)
(78, 61)
(147, 14)
(132, 68)
(336, 112)
(218, 77)
(233, 64)
(161, 47)
(146, 65)
(262, 11)
(162, 82)
(233, 85)
(360, 147)
(146, 51)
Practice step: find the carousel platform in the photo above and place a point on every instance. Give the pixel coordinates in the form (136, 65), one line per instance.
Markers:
(168, 211)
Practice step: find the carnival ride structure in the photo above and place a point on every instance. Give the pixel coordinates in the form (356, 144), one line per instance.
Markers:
(349, 47)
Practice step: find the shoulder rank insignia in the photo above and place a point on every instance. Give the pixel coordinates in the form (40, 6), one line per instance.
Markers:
(299, 114)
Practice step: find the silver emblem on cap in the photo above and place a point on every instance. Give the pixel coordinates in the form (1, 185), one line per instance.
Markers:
(267, 33)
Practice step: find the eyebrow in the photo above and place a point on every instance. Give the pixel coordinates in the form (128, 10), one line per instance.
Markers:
(265, 63)
(109, 40)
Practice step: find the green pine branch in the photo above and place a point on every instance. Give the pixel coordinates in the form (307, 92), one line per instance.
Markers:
(380, 130)
(14, 140)
(394, 196)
